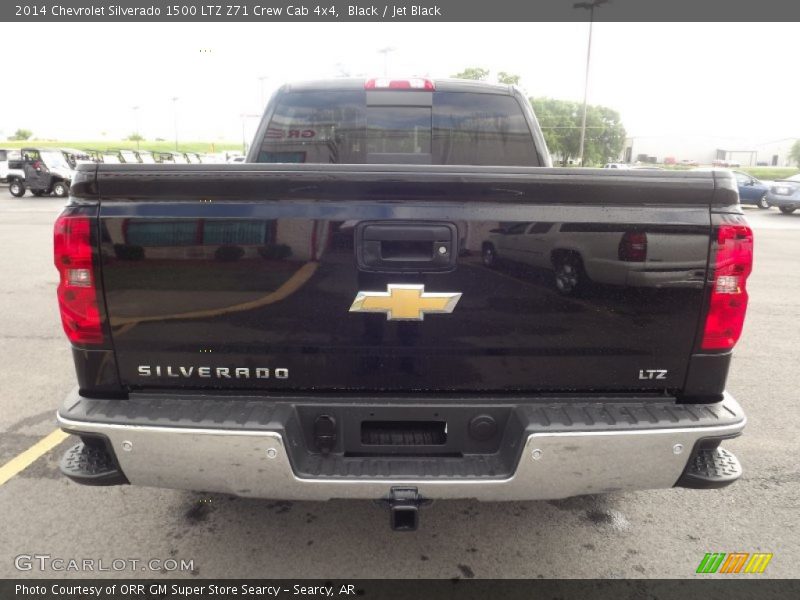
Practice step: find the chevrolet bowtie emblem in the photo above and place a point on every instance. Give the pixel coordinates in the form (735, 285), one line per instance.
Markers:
(405, 302)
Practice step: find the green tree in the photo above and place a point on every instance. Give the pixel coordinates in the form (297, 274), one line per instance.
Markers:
(561, 124)
(135, 137)
(21, 134)
(507, 78)
(794, 153)
(475, 73)
(607, 135)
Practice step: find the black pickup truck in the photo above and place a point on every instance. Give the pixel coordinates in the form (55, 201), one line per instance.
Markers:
(398, 298)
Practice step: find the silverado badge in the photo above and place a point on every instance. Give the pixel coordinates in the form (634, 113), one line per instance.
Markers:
(403, 302)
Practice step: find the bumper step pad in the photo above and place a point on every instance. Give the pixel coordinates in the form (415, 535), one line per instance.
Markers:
(711, 468)
(91, 465)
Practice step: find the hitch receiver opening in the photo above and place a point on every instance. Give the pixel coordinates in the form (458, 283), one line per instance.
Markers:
(403, 506)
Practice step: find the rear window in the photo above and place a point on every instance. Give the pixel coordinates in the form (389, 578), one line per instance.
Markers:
(459, 128)
(398, 130)
(316, 127)
(481, 129)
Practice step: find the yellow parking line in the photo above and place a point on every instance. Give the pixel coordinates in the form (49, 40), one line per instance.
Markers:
(22, 461)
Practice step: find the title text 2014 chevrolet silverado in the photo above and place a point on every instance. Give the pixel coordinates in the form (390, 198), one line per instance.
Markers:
(397, 298)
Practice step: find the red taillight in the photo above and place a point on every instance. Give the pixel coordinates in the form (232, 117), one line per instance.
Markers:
(77, 294)
(633, 246)
(733, 263)
(384, 83)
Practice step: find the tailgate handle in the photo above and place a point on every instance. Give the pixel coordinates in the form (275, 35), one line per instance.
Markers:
(415, 246)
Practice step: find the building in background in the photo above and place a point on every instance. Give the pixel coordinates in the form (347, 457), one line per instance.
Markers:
(707, 150)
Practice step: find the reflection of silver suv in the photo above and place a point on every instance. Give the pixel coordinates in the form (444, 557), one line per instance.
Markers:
(579, 254)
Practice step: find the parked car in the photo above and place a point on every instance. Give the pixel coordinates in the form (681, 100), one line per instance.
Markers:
(45, 171)
(112, 157)
(166, 156)
(725, 164)
(751, 190)
(5, 171)
(95, 155)
(130, 157)
(146, 157)
(616, 166)
(785, 194)
(74, 157)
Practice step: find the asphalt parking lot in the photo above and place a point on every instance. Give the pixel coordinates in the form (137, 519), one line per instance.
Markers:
(655, 534)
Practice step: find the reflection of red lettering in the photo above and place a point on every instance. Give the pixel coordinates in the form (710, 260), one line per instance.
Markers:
(278, 134)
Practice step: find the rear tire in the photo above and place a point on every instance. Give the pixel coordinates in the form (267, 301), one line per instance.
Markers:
(571, 278)
(16, 188)
(489, 256)
(762, 202)
(787, 210)
(60, 189)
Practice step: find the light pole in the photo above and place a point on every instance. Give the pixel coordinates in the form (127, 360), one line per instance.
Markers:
(136, 123)
(385, 52)
(590, 6)
(175, 113)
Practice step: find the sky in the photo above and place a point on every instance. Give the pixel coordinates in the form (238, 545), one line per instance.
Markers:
(719, 80)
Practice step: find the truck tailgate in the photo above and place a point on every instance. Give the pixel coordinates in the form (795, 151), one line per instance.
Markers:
(495, 279)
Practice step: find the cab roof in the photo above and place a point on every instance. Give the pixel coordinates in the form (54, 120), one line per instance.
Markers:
(357, 83)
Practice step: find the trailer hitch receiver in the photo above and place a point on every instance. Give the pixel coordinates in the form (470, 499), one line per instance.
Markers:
(403, 506)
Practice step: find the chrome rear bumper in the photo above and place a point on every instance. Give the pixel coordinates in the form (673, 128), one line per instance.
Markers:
(552, 464)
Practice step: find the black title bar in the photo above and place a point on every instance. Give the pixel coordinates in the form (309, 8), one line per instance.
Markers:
(333, 11)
